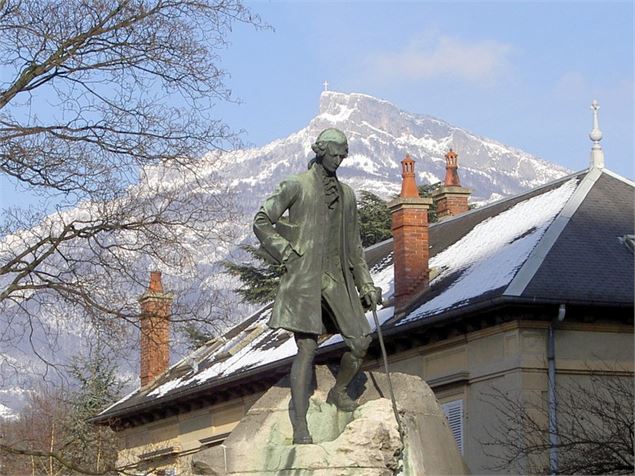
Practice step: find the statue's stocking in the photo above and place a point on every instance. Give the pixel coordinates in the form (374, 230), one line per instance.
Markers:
(301, 377)
(349, 366)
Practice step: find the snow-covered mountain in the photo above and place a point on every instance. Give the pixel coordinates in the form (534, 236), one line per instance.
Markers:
(379, 137)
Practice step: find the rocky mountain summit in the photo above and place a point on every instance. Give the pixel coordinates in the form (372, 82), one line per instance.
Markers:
(379, 136)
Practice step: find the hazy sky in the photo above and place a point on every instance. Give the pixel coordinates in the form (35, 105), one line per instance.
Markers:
(523, 73)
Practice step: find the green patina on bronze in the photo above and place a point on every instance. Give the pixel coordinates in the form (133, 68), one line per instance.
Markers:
(300, 240)
(310, 225)
(298, 302)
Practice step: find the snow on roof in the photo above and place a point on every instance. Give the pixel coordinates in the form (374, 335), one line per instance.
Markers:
(383, 276)
(269, 346)
(384, 314)
(248, 349)
(489, 256)
(486, 258)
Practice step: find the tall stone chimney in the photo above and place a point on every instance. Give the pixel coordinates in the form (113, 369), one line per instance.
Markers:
(451, 198)
(156, 308)
(410, 238)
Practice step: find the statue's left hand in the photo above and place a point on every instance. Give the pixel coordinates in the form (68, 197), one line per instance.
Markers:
(372, 298)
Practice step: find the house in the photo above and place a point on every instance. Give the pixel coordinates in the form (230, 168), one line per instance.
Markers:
(519, 296)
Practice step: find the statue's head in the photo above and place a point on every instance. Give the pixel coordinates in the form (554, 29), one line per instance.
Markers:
(330, 149)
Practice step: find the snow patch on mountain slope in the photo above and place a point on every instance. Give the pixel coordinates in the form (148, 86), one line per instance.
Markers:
(380, 135)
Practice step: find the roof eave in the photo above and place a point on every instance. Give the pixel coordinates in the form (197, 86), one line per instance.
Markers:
(441, 318)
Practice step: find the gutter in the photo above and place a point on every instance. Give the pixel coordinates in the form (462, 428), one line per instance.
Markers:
(493, 303)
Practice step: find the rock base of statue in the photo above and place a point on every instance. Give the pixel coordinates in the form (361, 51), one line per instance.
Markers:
(365, 442)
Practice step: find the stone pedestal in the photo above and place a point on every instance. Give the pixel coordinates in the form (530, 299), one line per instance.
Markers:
(362, 443)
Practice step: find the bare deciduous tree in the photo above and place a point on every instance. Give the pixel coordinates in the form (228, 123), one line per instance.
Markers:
(107, 124)
(106, 115)
(51, 434)
(595, 424)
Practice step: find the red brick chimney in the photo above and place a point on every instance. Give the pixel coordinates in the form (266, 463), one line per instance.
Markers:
(410, 238)
(451, 198)
(155, 330)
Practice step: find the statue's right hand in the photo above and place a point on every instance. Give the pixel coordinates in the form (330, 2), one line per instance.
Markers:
(372, 298)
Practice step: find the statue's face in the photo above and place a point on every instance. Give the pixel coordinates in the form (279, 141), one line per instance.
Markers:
(334, 155)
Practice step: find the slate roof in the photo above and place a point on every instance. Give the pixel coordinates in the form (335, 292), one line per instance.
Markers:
(558, 243)
(589, 260)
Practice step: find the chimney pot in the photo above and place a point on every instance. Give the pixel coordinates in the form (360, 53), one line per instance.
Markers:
(409, 182)
(156, 286)
(451, 170)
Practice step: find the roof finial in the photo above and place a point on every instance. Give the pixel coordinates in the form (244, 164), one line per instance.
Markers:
(597, 154)
(326, 85)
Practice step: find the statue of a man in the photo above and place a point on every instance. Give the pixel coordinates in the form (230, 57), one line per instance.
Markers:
(320, 247)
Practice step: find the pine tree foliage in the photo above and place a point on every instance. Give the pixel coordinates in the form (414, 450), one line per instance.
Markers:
(258, 277)
(426, 191)
(97, 387)
(374, 218)
(196, 335)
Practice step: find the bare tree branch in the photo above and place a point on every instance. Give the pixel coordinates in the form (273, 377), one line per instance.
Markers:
(107, 117)
(123, 138)
(594, 431)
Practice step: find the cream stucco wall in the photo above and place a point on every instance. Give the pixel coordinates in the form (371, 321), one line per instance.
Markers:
(512, 358)
(180, 434)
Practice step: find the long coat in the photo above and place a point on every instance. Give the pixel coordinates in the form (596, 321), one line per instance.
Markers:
(298, 302)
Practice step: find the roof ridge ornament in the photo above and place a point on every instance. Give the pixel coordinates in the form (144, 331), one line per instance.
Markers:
(597, 154)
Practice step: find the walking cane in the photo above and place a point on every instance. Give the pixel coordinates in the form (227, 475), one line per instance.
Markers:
(390, 389)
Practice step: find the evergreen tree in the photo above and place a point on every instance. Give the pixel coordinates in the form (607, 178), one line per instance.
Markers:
(259, 278)
(196, 335)
(426, 191)
(52, 434)
(97, 386)
(374, 218)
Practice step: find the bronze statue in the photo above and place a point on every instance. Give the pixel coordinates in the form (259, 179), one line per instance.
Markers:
(319, 244)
